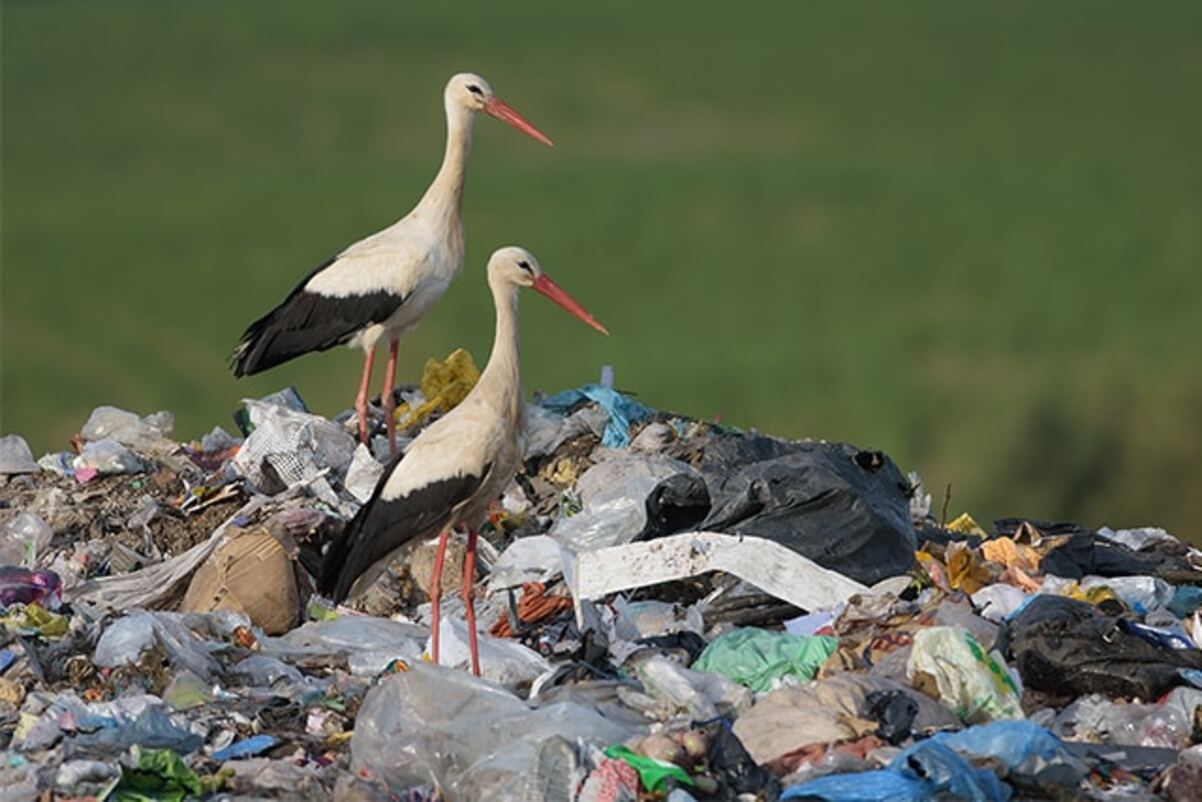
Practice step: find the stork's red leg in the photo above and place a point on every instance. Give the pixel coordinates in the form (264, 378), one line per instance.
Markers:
(436, 591)
(469, 577)
(361, 399)
(389, 399)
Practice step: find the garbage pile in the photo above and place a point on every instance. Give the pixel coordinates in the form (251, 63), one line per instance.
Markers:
(668, 609)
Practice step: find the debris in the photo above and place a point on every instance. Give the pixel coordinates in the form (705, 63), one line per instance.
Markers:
(621, 410)
(759, 659)
(444, 384)
(15, 456)
(764, 563)
(977, 686)
(663, 604)
(250, 573)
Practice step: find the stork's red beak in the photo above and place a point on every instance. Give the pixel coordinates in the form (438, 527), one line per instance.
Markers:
(503, 111)
(553, 291)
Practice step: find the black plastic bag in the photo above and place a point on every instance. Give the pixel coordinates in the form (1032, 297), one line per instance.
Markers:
(1069, 647)
(845, 508)
(728, 762)
(1086, 553)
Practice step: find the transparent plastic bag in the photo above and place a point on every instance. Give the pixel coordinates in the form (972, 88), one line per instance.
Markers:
(22, 539)
(434, 726)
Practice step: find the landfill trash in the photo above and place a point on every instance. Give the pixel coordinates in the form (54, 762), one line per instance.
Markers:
(147, 434)
(24, 586)
(15, 456)
(613, 494)
(621, 410)
(1182, 782)
(250, 573)
(1067, 646)
(797, 494)
(1097, 719)
(758, 658)
(248, 747)
(436, 727)
(764, 563)
(33, 619)
(501, 661)
(639, 568)
(977, 686)
(286, 447)
(362, 474)
(156, 774)
(831, 710)
(653, 773)
(443, 385)
(105, 456)
(701, 695)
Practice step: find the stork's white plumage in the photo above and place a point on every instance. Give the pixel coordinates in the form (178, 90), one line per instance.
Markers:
(382, 286)
(457, 466)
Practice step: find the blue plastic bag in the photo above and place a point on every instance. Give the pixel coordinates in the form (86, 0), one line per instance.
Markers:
(621, 410)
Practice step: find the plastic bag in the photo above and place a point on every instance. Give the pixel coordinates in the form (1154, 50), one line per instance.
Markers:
(998, 602)
(1140, 593)
(758, 658)
(104, 457)
(614, 495)
(1098, 719)
(370, 644)
(126, 638)
(505, 662)
(975, 685)
(15, 456)
(444, 384)
(621, 410)
(433, 726)
(22, 538)
(1070, 647)
(363, 474)
(144, 434)
(537, 558)
(702, 696)
(295, 446)
(799, 493)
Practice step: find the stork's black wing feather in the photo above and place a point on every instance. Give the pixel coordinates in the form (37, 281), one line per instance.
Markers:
(383, 525)
(306, 322)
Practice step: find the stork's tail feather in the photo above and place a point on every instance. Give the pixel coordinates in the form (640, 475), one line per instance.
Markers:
(334, 581)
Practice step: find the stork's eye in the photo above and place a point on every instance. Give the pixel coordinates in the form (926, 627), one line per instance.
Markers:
(526, 266)
(475, 90)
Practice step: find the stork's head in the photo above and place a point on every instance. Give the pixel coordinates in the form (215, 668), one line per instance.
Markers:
(514, 265)
(473, 93)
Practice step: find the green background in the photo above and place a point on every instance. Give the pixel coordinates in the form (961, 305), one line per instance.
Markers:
(966, 233)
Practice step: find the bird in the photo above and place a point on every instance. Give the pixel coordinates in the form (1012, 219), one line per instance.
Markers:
(456, 467)
(381, 287)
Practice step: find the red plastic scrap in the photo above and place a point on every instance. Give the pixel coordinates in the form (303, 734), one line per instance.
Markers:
(534, 605)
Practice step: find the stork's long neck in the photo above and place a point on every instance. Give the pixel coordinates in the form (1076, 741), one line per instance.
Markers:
(444, 198)
(501, 381)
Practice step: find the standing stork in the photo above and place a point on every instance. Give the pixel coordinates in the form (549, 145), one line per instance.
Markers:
(456, 467)
(383, 285)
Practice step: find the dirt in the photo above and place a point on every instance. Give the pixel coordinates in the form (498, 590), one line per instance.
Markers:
(102, 509)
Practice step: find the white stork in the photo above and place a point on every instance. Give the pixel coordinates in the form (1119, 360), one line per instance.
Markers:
(457, 466)
(383, 285)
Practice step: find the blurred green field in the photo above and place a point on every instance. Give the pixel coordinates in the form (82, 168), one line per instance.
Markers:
(969, 234)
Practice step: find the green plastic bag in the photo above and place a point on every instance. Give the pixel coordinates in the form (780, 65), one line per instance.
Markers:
(757, 658)
(160, 776)
(652, 772)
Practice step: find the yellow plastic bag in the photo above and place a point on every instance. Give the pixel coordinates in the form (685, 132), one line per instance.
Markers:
(1013, 555)
(965, 525)
(964, 569)
(444, 384)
